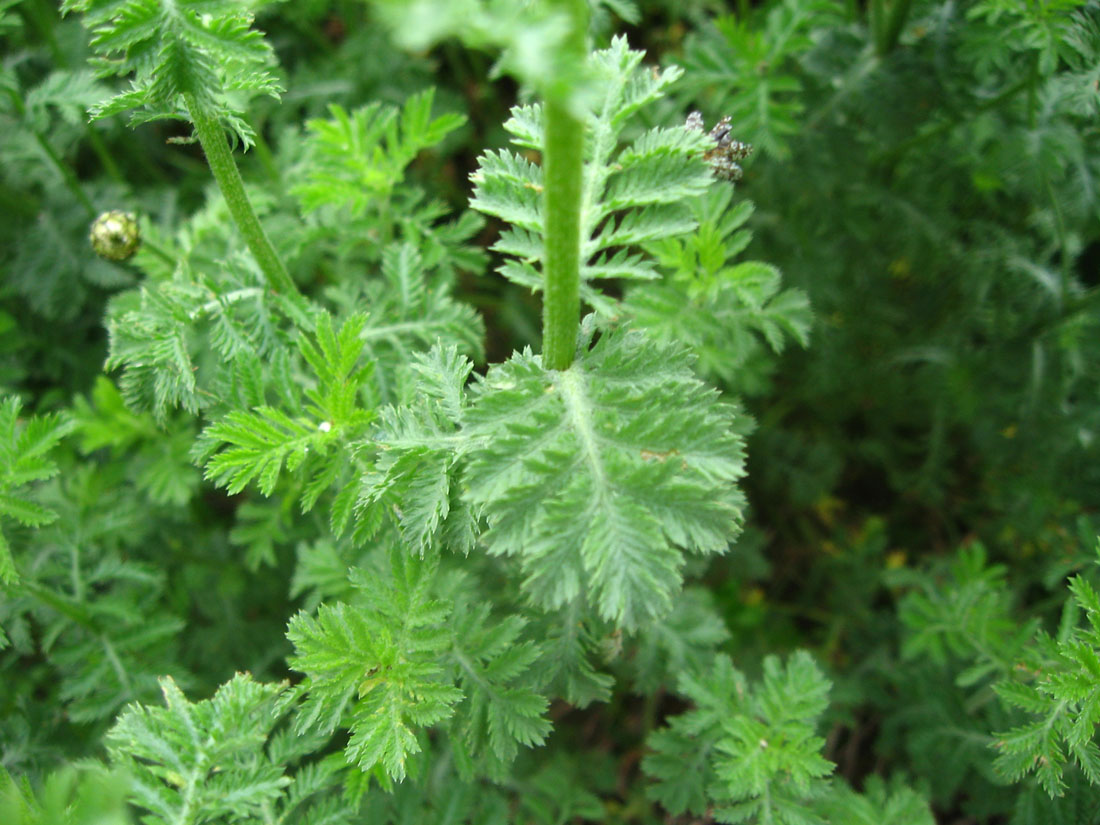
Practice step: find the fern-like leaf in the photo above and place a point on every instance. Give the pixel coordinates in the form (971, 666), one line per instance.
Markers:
(409, 314)
(597, 477)
(729, 313)
(751, 751)
(203, 759)
(880, 803)
(154, 333)
(256, 445)
(492, 662)
(84, 794)
(24, 449)
(377, 665)
(631, 195)
(362, 155)
(414, 480)
(180, 54)
(743, 69)
(1063, 702)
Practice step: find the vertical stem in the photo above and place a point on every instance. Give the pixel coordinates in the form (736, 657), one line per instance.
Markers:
(876, 14)
(563, 167)
(216, 147)
(894, 23)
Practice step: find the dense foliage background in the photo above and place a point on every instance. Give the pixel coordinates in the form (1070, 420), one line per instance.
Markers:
(898, 301)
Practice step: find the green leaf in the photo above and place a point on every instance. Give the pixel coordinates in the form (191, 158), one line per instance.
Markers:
(744, 69)
(178, 55)
(255, 446)
(408, 313)
(729, 313)
(376, 667)
(24, 447)
(631, 195)
(153, 333)
(750, 751)
(502, 710)
(598, 477)
(529, 37)
(361, 156)
(203, 757)
(879, 804)
(1061, 701)
(414, 481)
(84, 794)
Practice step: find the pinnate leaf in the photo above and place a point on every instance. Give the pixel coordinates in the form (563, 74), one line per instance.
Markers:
(24, 449)
(598, 477)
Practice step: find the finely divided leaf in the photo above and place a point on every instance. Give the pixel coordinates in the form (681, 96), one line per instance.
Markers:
(1062, 701)
(631, 195)
(726, 312)
(420, 445)
(756, 747)
(599, 477)
(24, 446)
(492, 662)
(362, 155)
(408, 314)
(180, 54)
(246, 446)
(375, 666)
(204, 756)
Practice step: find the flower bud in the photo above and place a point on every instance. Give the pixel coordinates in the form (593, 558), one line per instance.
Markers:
(115, 235)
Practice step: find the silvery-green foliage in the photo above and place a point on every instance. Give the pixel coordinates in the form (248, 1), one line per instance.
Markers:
(633, 194)
(179, 56)
(598, 478)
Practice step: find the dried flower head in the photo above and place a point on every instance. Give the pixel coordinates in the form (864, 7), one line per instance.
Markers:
(726, 152)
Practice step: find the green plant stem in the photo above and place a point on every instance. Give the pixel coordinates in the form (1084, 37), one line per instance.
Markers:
(561, 307)
(70, 179)
(563, 182)
(104, 155)
(159, 251)
(215, 146)
(890, 23)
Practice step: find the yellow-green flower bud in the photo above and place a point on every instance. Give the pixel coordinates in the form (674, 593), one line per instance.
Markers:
(115, 235)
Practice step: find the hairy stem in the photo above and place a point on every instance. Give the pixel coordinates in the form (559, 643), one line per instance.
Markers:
(561, 306)
(215, 146)
(563, 184)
